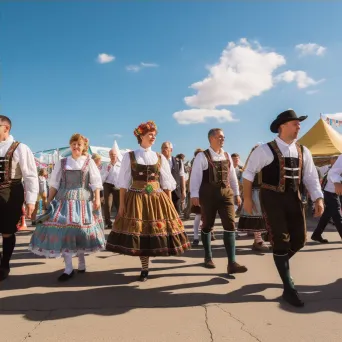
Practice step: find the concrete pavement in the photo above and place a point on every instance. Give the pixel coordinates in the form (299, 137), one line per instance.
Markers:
(181, 300)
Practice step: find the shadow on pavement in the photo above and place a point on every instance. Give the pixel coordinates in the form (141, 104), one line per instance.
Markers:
(120, 299)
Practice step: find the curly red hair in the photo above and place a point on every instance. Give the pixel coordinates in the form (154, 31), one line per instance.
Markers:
(144, 128)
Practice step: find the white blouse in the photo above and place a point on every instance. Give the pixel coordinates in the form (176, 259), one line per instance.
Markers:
(145, 156)
(72, 164)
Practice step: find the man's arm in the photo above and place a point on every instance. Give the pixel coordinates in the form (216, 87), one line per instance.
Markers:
(196, 177)
(310, 176)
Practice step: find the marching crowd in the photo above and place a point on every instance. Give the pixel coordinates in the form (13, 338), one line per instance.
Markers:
(150, 191)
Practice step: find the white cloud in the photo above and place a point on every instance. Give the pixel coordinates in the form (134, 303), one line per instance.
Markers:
(311, 49)
(142, 65)
(103, 58)
(133, 68)
(300, 77)
(197, 115)
(241, 73)
(149, 65)
(115, 135)
(244, 70)
(311, 92)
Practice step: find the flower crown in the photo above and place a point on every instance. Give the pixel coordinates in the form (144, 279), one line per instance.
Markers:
(145, 127)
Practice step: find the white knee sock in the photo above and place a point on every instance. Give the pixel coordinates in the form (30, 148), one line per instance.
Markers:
(81, 261)
(68, 263)
(257, 237)
(197, 222)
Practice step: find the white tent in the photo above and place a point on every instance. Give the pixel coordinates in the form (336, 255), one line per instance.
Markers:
(51, 156)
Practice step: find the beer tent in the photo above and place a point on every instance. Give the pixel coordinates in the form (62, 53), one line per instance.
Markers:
(323, 141)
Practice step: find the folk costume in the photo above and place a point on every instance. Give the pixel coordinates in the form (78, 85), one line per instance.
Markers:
(111, 190)
(254, 223)
(71, 227)
(213, 180)
(151, 225)
(284, 168)
(16, 164)
(332, 202)
(178, 172)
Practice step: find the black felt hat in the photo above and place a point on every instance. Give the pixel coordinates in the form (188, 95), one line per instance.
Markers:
(288, 115)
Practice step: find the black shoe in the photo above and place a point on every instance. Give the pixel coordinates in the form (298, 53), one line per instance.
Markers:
(319, 239)
(65, 276)
(143, 276)
(81, 271)
(4, 272)
(291, 296)
(195, 243)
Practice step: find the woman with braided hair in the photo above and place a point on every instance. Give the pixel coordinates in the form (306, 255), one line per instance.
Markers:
(254, 223)
(147, 223)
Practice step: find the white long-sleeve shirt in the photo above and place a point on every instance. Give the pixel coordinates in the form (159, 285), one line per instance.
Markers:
(72, 164)
(334, 175)
(110, 173)
(24, 157)
(145, 156)
(201, 164)
(263, 156)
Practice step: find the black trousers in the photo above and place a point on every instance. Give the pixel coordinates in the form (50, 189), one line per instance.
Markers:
(176, 201)
(332, 210)
(111, 196)
(11, 203)
(285, 220)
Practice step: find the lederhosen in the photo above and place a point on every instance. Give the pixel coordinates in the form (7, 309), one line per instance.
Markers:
(281, 200)
(11, 194)
(216, 195)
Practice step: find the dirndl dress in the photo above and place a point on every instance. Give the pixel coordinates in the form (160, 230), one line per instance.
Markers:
(151, 225)
(71, 225)
(255, 222)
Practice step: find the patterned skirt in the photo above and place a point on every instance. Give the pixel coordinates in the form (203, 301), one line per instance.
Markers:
(150, 227)
(254, 222)
(71, 226)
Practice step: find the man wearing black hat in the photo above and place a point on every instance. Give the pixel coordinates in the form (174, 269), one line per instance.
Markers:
(285, 167)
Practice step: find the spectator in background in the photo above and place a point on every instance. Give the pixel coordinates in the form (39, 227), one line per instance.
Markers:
(42, 195)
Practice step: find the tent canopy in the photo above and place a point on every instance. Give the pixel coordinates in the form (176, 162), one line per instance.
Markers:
(51, 156)
(322, 140)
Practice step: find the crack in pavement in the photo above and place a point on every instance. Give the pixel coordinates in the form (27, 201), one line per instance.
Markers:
(207, 323)
(243, 325)
(37, 325)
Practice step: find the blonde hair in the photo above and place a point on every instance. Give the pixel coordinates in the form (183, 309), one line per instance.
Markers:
(96, 156)
(76, 138)
(41, 172)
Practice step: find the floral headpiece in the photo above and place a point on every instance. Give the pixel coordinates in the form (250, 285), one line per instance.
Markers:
(145, 127)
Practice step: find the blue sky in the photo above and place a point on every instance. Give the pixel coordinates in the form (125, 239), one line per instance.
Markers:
(52, 84)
